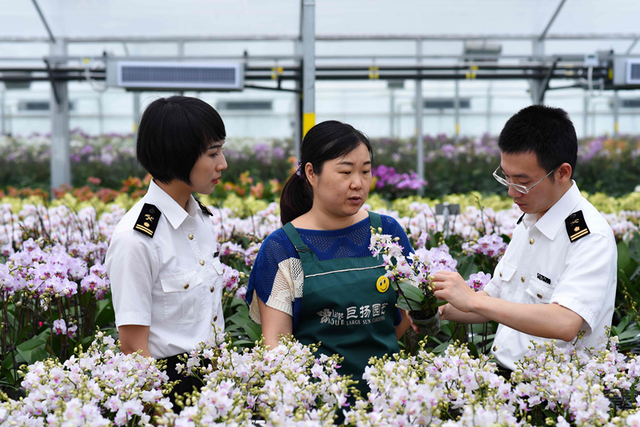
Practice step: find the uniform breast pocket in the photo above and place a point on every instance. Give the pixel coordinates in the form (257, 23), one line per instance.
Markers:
(217, 265)
(540, 289)
(184, 297)
(506, 273)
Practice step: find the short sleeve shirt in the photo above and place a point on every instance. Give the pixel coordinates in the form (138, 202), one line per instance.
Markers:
(543, 266)
(171, 282)
(277, 277)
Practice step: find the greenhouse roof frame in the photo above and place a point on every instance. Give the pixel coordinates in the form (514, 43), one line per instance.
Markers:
(303, 67)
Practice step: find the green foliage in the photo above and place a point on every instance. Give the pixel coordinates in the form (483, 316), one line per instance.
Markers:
(607, 166)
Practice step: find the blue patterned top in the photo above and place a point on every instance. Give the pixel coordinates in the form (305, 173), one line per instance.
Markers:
(352, 241)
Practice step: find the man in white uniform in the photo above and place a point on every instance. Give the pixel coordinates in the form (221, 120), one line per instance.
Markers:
(558, 275)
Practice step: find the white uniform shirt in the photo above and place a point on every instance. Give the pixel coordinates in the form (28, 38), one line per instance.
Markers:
(581, 274)
(170, 282)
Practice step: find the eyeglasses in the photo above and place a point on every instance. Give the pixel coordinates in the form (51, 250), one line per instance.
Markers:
(521, 188)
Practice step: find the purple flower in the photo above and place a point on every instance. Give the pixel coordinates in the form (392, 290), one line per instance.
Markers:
(230, 277)
(490, 245)
(448, 150)
(279, 153)
(478, 281)
(263, 153)
(241, 292)
(6, 250)
(7, 282)
(60, 327)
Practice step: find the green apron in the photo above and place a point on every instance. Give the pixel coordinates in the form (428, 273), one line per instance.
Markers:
(345, 309)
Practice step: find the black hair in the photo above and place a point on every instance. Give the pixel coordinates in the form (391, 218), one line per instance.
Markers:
(325, 141)
(546, 131)
(173, 133)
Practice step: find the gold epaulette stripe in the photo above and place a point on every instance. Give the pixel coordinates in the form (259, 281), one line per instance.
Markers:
(145, 229)
(579, 234)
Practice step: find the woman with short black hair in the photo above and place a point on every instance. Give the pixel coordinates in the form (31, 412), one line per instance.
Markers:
(166, 277)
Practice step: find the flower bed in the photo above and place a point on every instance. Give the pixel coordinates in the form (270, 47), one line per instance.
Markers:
(289, 386)
(53, 295)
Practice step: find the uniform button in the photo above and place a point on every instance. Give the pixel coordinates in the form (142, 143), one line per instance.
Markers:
(212, 289)
(532, 241)
(539, 296)
(501, 274)
(522, 279)
(201, 262)
(190, 236)
(495, 348)
(215, 318)
(186, 286)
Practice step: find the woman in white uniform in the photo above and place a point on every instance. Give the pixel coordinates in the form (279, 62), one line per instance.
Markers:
(166, 277)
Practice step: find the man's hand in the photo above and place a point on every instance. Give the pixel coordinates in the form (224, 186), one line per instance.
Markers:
(451, 287)
(467, 306)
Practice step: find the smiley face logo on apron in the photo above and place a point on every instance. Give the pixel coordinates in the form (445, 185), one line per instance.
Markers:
(382, 284)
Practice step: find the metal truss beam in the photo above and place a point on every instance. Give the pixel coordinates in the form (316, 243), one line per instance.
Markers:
(327, 37)
(52, 39)
(553, 18)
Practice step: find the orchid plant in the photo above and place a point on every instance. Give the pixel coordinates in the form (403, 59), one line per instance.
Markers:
(412, 276)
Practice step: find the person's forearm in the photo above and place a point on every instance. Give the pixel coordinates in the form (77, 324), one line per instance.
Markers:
(541, 320)
(449, 312)
(274, 324)
(130, 350)
(134, 338)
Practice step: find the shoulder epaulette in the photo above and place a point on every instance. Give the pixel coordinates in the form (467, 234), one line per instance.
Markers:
(576, 226)
(520, 219)
(205, 210)
(148, 220)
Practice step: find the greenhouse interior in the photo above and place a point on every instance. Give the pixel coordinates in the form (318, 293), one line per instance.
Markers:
(402, 211)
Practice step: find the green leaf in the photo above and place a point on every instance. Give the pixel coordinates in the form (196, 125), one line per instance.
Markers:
(624, 322)
(628, 335)
(403, 304)
(27, 349)
(31, 344)
(473, 349)
(467, 266)
(625, 262)
(623, 280)
(634, 248)
(38, 354)
(442, 347)
(9, 375)
(623, 255)
(635, 275)
(411, 292)
(253, 330)
(104, 313)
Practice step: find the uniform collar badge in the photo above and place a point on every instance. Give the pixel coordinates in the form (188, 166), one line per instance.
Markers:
(205, 210)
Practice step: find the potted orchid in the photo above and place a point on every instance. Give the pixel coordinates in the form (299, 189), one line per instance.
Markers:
(412, 278)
